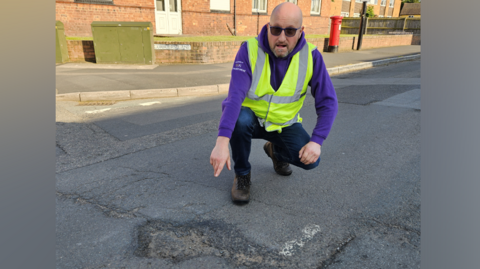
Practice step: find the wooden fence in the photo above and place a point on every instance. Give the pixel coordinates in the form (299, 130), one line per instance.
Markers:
(382, 26)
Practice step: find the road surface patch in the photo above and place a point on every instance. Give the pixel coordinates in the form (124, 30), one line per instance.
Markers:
(308, 233)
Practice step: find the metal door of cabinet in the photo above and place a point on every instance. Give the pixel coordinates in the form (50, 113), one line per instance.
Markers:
(131, 45)
(105, 42)
(61, 50)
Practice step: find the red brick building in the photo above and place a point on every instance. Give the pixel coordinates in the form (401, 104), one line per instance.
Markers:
(353, 8)
(192, 17)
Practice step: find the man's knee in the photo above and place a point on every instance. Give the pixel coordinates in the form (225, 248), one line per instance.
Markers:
(312, 165)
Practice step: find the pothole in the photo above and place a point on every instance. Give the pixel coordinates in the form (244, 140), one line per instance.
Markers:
(179, 242)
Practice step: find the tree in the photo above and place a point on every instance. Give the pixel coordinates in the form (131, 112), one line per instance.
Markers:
(370, 13)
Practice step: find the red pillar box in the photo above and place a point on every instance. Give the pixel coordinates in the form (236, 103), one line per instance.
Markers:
(336, 26)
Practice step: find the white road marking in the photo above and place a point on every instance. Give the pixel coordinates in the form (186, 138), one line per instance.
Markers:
(97, 111)
(308, 233)
(150, 103)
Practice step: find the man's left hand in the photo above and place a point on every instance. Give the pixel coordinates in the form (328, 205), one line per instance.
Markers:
(310, 153)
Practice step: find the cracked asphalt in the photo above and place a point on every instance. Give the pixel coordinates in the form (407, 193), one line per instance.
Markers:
(135, 188)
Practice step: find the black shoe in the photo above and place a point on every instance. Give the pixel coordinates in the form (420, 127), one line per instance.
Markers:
(282, 168)
(241, 189)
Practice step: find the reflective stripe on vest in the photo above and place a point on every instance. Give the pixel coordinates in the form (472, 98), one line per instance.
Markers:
(286, 100)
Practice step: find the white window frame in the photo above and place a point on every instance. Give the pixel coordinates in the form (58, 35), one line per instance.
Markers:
(347, 0)
(319, 7)
(219, 5)
(358, 1)
(255, 8)
(380, 16)
(356, 15)
(383, 3)
(292, 1)
(374, 2)
(392, 3)
(345, 13)
(389, 16)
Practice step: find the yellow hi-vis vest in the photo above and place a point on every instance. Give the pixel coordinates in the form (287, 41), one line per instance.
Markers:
(278, 109)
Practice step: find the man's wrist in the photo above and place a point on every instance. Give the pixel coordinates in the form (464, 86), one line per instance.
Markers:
(315, 143)
(223, 140)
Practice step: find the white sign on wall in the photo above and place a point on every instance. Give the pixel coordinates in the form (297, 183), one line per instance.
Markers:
(172, 47)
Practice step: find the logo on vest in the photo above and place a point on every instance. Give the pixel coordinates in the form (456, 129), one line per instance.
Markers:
(238, 66)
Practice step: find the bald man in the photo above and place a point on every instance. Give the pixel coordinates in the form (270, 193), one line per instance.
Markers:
(270, 79)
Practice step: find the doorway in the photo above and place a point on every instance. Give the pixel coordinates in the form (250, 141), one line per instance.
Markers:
(168, 18)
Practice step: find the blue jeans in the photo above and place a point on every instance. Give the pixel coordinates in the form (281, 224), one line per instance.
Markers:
(286, 145)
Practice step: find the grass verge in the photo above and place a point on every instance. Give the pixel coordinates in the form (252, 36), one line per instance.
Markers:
(200, 38)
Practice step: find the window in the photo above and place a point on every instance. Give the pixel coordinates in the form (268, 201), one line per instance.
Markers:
(222, 5)
(160, 5)
(374, 2)
(344, 14)
(380, 16)
(391, 3)
(347, 0)
(356, 15)
(259, 6)
(173, 6)
(101, 2)
(315, 9)
(292, 1)
(383, 3)
(358, 1)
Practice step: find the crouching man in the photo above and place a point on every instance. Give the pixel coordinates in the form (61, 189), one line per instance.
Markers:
(270, 78)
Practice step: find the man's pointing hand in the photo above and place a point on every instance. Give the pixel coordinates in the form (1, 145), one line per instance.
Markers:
(220, 155)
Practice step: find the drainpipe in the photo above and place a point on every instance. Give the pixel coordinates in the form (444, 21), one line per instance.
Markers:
(234, 17)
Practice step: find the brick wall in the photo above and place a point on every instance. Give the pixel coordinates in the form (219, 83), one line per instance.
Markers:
(378, 41)
(345, 6)
(201, 52)
(357, 9)
(81, 51)
(335, 8)
(77, 17)
(198, 20)
(390, 12)
(222, 52)
(382, 11)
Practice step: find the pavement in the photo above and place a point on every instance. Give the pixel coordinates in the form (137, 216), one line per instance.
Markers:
(95, 82)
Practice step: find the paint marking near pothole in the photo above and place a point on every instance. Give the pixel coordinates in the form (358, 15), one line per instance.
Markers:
(308, 232)
(97, 111)
(150, 103)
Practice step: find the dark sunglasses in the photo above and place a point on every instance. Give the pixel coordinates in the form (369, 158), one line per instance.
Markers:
(276, 31)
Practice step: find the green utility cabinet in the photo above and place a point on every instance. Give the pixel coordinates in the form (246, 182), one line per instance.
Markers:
(61, 50)
(123, 42)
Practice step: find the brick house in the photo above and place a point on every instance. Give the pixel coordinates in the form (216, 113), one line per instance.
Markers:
(353, 8)
(189, 17)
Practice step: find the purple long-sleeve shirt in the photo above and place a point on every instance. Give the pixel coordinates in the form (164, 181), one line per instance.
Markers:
(321, 87)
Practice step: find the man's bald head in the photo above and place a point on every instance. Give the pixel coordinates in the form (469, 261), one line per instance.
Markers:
(284, 16)
(289, 11)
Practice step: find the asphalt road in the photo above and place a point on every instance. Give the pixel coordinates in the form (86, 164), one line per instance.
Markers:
(135, 188)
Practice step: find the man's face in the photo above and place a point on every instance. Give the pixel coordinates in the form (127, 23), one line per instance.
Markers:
(282, 45)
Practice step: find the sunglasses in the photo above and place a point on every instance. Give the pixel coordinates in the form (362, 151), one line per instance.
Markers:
(289, 31)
